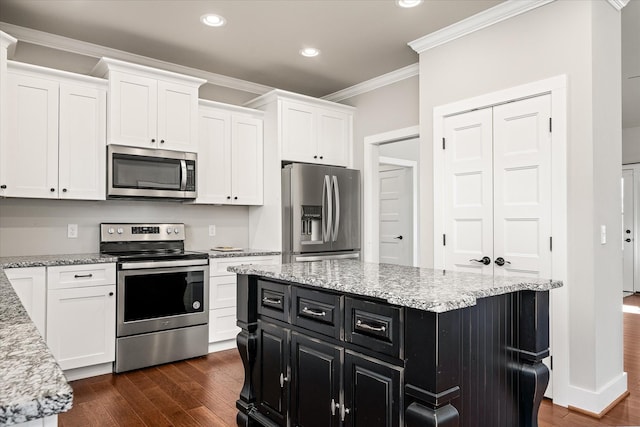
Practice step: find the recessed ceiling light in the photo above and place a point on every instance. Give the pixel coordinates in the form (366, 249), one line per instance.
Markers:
(309, 52)
(408, 3)
(213, 20)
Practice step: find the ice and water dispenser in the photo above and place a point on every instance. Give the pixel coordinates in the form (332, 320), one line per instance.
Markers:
(311, 227)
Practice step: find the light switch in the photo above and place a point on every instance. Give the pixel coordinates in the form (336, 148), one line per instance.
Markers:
(603, 234)
(72, 231)
(212, 230)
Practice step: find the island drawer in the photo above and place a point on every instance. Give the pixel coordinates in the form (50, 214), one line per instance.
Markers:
(374, 326)
(273, 300)
(316, 311)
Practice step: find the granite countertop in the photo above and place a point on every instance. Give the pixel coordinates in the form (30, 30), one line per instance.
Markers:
(421, 288)
(54, 260)
(245, 252)
(32, 384)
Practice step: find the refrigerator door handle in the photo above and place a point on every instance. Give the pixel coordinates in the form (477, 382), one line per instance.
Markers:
(336, 193)
(327, 207)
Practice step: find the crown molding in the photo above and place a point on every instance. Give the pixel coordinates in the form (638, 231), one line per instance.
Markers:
(484, 19)
(375, 83)
(41, 38)
(618, 4)
(8, 42)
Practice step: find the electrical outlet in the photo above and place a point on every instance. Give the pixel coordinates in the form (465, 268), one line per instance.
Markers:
(212, 230)
(72, 231)
(603, 234)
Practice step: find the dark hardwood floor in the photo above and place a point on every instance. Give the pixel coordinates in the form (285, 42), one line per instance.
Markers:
(203, 391)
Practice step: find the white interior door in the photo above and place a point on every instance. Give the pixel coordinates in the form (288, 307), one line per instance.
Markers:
(468, 181)
(627, 231)
(396, 221)
(522, 188)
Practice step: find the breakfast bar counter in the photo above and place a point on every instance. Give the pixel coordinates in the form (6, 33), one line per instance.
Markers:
(362, 344)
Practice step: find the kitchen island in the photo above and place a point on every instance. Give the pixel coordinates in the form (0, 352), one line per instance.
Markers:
(344, 342)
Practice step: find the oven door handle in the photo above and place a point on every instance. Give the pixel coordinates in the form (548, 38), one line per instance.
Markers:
(161, 264)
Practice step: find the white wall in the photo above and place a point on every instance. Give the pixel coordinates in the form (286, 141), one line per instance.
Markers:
(631, 145)
(36, 227)
(582, 40)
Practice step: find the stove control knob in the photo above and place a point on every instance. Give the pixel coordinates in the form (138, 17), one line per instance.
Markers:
(120, 230)
(111, 230)
(177, 231)
(169, 230)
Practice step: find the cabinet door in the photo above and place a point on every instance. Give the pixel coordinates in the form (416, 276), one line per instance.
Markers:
(133, 110)
(214, 157)
(299, 142)
(177, 117)
(81, 325)
(247, 176)
(334, 137)
(222, 324)
(29, 154)
(31, 286)
(82, 143)
(273, 382)
(371, 393)
(316, 382)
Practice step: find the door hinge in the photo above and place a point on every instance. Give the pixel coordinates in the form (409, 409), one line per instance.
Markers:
(551, 363)
(444, 144)
(550, 124)
(444, 240)
(550, 243)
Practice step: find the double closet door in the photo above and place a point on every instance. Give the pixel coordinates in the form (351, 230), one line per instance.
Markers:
(497, 189)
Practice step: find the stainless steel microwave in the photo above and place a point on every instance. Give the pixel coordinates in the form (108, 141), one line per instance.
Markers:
(144, 172)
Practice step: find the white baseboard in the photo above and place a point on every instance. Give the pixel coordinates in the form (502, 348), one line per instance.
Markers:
(222, 345)
(595, 402)
(89, 371)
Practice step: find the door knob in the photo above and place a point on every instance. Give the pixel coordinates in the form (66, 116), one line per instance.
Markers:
(398, 237)
(627, 240)
(485, 260)
(628, 231)
(501, 261)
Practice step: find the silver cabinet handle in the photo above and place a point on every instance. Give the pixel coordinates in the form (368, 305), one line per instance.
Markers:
(343, 412)
(334, 406)
(271, 300)
(368, 327)
(283, 380)
(307, 310)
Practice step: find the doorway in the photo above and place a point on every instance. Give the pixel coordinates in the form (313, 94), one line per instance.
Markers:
(630, 211)
(398, 180)
(400, 147)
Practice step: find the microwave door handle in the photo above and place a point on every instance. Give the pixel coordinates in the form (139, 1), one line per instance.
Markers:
(336, 193)
(183, 175)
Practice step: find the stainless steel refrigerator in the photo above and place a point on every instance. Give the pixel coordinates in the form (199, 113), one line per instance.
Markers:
(320, 213)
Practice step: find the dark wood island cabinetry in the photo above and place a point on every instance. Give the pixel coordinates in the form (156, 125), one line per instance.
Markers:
(346, 343)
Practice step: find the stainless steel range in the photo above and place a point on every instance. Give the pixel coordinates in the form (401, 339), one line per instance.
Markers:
(162, 294)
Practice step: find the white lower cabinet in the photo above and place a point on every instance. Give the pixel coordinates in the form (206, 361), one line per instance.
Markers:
(81, 314)
(222, 299)
(31, 286)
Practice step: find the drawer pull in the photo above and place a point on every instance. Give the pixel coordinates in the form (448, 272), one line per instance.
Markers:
(283, 380)
(312, 312)
(83, 276)
(272, 301)
(368, 327)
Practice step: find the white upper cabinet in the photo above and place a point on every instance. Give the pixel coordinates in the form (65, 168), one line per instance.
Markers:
(310, 130)
(55, 138)
(230, 155)
(150, 108)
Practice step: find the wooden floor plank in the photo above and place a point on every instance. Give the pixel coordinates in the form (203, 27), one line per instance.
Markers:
(203, 391)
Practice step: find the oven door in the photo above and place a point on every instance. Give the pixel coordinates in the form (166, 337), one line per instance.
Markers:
(157, 299)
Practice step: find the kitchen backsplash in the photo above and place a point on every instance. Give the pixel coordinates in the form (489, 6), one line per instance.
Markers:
(37, 227)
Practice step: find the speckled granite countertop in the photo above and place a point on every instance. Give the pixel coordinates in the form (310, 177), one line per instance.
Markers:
(422, 288)
(32, 384)
(53, 260)
(242, 253)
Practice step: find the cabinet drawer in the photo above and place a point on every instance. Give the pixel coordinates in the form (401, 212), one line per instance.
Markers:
(273, 300)
(222, 292)
(73, 276)
(218, 266)
(222, 324)
(374, 326)
(317, 311)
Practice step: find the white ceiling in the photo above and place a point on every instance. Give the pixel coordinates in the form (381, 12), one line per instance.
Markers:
(359, 39)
